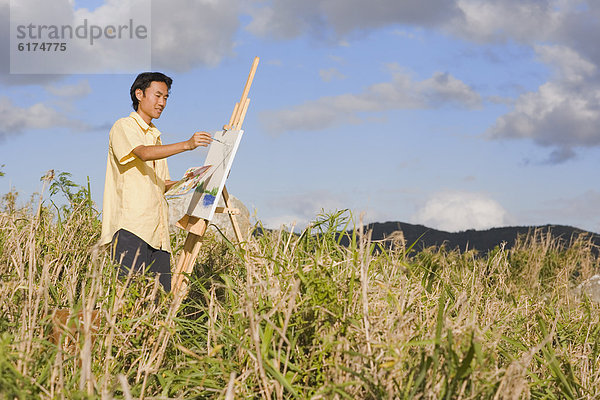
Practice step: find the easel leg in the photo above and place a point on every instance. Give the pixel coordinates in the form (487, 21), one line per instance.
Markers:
(196, 227)
(187, 258)
(236, 227)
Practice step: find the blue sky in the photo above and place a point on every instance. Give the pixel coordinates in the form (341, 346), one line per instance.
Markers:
(455, 114)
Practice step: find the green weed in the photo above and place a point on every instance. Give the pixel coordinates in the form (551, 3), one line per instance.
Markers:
(290, 316)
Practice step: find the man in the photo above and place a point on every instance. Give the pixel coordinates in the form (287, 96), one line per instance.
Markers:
(134, 211)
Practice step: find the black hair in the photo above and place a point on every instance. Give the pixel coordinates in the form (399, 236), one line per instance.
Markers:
(144, 80)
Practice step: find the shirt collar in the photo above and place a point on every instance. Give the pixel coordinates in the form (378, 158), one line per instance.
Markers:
(145, 127)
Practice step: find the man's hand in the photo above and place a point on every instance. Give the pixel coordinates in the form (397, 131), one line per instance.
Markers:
(199, 139)
(169, 184)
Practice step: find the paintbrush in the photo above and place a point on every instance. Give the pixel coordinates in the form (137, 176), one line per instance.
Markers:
(218, 141)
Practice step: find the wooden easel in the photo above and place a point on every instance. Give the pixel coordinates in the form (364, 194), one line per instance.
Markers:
(196, 227)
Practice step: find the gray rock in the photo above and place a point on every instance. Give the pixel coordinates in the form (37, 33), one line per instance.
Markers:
(178, 208)
(591, 288)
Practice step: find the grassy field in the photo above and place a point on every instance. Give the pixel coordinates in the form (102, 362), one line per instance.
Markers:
(291, 316)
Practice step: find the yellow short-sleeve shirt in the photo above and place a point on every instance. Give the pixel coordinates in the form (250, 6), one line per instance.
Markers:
(134, 189)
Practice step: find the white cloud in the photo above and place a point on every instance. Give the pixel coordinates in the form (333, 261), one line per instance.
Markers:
(571, 67)
(287, 221)
(125, 52)
(15, 119)
(456, 211)
(563, 22)
(300, 209)
(554, 116)
(5, 76)
(563, 113)
(443, 88)
(199, 32)
(401, 93)
(330, 74)
(498, 20)
(285, 19)
(79, 89)
(404, 33)
(526, 21)
(275, 62)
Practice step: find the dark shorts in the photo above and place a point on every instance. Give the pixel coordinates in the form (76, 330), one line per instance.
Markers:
(130, 251)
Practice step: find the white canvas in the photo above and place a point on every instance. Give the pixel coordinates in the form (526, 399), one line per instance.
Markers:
(220, 157)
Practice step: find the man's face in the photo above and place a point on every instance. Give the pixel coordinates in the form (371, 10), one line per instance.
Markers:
(153, 100)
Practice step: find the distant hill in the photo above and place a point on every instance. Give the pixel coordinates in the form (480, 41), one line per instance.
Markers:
(483, 240)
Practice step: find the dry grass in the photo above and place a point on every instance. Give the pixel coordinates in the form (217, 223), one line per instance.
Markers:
(293, 317)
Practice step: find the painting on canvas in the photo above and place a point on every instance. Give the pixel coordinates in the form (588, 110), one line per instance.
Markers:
(190, 181)
(220, 158)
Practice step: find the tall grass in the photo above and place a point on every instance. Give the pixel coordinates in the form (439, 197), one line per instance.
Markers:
(293, 316)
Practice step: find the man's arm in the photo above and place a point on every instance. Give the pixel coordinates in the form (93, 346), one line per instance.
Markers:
(149, 153)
